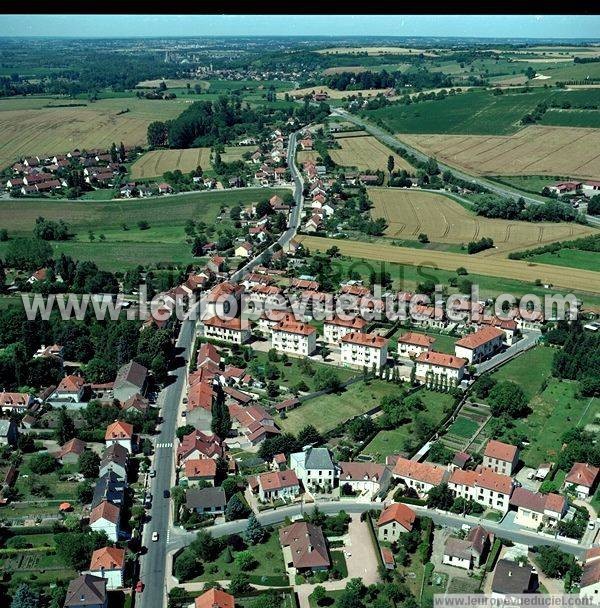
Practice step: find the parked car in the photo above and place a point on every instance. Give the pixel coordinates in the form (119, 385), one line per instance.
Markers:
(154, 536)
(152, 473)
(166, 494)
(139, 587)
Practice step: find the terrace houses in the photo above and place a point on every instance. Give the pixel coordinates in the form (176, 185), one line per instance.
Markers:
(534, 508)
(484, 486)
(419, 476)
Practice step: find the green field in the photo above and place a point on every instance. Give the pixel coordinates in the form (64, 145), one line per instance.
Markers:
(463, 427)
(573, 258)
(572, 118)
(326, 412)
(392, 441)
(528, 183)
(475, 112)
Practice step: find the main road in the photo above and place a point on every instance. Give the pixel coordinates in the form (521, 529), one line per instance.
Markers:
(153, 564)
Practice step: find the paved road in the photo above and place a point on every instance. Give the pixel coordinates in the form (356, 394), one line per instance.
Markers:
(391, 140)
(153, 567)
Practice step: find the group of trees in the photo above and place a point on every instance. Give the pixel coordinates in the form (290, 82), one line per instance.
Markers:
(50, 230)
(480, 245)
(490, 205)
(287, 443)
(351, 81)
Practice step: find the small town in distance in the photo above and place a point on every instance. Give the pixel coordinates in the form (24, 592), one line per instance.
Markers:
(299, 320)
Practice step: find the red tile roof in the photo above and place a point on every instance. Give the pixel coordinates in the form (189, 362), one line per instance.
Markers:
(372, 340)
(293, 327)
(105, 510)
(400, 513)
(500, 451)
(441, 359)
(277, 480)
(416, 339)
(480, 337)
(236, 324)
(354, 323)
(214, 598)
(419, 471)
(119, 430)
(200, 468)
(109, 558)
(582, 474)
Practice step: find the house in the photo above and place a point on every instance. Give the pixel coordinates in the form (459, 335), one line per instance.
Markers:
(105, 517)
(274, 485)
(590, 188)
(388, 558)
(70, 452)
(56, 350)
(479, 345)
(432, 367)
(279, 462)
(468, 552)
(108, 563)
(314, 223)
(583, 476)
(562, 188)
(114, 459)
(137, 403)
(589, 586)
(484, 486)
(244, 250)
(460, 460)
(314, 468)
(394, 521)
(512, 579)
(235, 330)
(119, 432)
(412, 344)
(109, 487)
(70, 388)
(197, 445)
(131, 378)
(216, 263)
(294, 338)
(14, 403)
(164, 189)
(206, 500)
(364, 350)
(419, 476)
(214, 598)
(501, 457)
(366, 478)
(535, 509)
(199, 469)
(87, 591)
(304, 547)
(8, 432)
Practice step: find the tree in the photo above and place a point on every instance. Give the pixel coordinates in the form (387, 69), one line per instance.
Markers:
(325, 379)
(245, 561)
(556, 563)
(390, 164)
(65, 429)
(157, 134)
(85, 492)
(255, 533)
(309, 435)
(205, 546)
(239, 584)
(42, 463)
(236, 508)
(221, 418)
(88, 464)
(186, 429)
(25, 597)
(319, 594)
(360, 428)
(483, 385)
(187, 566)
(440, 497)
(508, 398)
(76, 548)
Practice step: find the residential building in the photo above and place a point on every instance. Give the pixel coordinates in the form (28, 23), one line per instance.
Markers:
(583, 477)
(109, 563)
(274, 485)
(199, 444)
(364, 350)
(234, 330)
(109, 487)
(137, 403)
(14, 403)
(336, 328)
(479, 345)
(105, 517)
(201, 469)
(412, 344)
(70, 388)
(253, 423)
(131, 378)
(419, 476)
(294, 338)
(244, 250)
(304, 547)
(215, 598)
(432, 367)
(501, 457)
(70, 452)
(8, 432)
(314, 468)
(114, 459)
(589, 586)
(119, 432)
(484, 486)
(468, 552)
(368, 479)
(535, 509)
(512, 579)
(87, 591)
(206, 500)
(394, 521)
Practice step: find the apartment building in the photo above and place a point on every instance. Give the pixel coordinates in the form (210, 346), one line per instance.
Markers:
(412, 344)
(336, 328)
(294, 338)
(431, 366)
(236, 330)
(364, 350)
(501, 457)
(484, 486)
(479, 345)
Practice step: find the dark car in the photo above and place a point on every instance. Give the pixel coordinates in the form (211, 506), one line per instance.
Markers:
(166, 494)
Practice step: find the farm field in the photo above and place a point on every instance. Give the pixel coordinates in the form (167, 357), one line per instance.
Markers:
(463, 427)
(410, 213)
(376, 50)
(28, 128)
(573, 258)
(392, 441)
(307, 156)
(515, 270)
(233, 153)
(572, 118)
(366, 152)
(475, 112)
(535, 150)
(157, 162)
(334, 93)
(172, 83)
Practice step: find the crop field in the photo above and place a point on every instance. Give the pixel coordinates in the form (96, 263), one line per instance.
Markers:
(334, 93)
(376, 50)
(172, 83)
(535, 150)
(307, 156)
(29, 128)
(366, 152)
(476, 112)
(443, 220)
(572, 118)
(235, 153)
(515, 270)
(156, 162)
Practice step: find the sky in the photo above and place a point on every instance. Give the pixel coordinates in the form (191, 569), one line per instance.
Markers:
(128, 26)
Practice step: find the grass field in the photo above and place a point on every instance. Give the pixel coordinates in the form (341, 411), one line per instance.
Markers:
(572, 118)
(392, 441)
(515, 270)
(28, 128)
(236, 153)
(463, 427)
(306, 156)
(535, 150)
(156, 162)
(529, 183)
(410, 213)
(573, 258)
(475, 112)
(366, 152)
(326, 412)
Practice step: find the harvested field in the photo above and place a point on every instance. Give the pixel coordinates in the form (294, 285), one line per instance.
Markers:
(307, 156)
(366, 152)
(172, 83)
(377, 50)
(567, 278)
(344, 134)
(535, 150)
(409, 213)
(235, 153)
(333, 93)
(28, 128)
(155, 163)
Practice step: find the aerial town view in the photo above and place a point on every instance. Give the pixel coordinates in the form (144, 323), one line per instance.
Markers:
(299, 312)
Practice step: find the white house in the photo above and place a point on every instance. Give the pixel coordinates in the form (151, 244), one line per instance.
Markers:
(589, 587)
(412, 344)
(336, 328)
(16, 403)
(419, 476)
(479, 345)
(366, 478)
(394, 521)
(108, 563)
(534, 508)
(70, 388)
(364, 350)
(294, 338)
(105, 517)
(432, 366)
(278, 484)
(243, 250)
(314, 468)
(235, 330)
(121, 433)
(484, 486)
(501, 457)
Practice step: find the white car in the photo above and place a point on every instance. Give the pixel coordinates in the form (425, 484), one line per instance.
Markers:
(154, 536)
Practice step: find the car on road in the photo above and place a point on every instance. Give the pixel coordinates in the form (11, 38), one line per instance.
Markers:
(154, 536)
(166, 494)
(591, 525)
(139, 587)
(152, 473)
(148, 500)
(185, 399)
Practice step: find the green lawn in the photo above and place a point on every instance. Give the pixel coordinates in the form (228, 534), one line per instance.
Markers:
(392, 441)
(528, 183)
(573, 258)
(326, 412)
(572, 118)
(58, 488)
(463, 427)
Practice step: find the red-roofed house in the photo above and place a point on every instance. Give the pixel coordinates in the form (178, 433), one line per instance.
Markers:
(484, 486)
(412, 344)
(70, 452)
(501, 457)
(105, 517)
(479, 345)
(278, 484)
(70, 388)
(108, 563)
(214, 598)
(420, 476)
(199, 445)
(534, 508)
(584, 477)
(14, 402)
(432, 366)
(119, 432)
(196, 470)
(395, 520)
(364, 350)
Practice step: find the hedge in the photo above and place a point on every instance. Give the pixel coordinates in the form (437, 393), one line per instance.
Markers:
(410, 501)
(493, 556)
